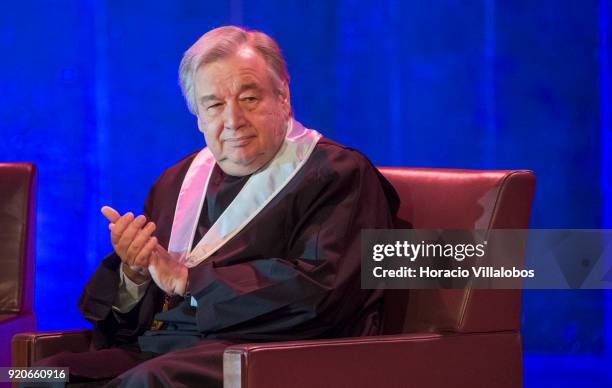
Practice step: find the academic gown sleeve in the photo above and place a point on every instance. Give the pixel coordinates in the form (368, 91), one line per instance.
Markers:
(112, 328)
(98, 296)
(294, 271)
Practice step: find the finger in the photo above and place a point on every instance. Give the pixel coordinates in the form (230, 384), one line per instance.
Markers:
(119, 227)
(111, 214)
(142, 259)
(153, 261)
(141, 238)
(128, 235)
(165, 255)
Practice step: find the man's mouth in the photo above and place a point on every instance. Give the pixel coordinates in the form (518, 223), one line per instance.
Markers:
(239, 141)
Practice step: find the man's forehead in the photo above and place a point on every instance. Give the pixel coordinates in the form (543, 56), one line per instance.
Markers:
(230, 76)
(244, 60)
(235, 84)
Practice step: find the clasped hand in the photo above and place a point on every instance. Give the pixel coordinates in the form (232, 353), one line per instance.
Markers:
(141, 255)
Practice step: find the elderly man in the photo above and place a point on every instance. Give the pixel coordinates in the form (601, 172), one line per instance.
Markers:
(254, 238)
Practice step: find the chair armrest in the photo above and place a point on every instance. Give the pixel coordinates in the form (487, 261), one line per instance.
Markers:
(29, 347)
(419, 360)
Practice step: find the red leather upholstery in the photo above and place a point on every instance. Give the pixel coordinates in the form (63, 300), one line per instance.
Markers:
(458, 199)
(408, 360)
(32, 346)
(17, 242)
(459, 338)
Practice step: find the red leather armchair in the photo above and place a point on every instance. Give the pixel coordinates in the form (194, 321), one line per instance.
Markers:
(433, 338)
(17, 238)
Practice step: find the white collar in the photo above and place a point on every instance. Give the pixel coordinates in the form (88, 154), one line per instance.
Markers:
(259, 190)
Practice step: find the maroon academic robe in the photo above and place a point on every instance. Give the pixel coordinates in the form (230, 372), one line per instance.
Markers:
(292, 273)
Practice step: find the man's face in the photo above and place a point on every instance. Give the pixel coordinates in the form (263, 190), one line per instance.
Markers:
(240, 111)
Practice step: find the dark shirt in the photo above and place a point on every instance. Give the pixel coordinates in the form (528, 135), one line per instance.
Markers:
(222, 189)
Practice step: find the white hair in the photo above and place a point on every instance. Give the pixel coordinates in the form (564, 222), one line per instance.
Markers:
(222, 42)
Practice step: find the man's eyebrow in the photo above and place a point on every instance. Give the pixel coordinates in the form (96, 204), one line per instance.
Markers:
(249, 86)
(243, 88)
(207, 98)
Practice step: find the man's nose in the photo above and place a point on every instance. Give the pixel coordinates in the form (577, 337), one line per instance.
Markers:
(233, 116)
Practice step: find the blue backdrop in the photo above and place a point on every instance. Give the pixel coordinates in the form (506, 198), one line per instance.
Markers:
(89, 92)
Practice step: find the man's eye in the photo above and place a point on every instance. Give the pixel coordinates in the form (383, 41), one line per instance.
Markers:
(249, 99)
(214, 106)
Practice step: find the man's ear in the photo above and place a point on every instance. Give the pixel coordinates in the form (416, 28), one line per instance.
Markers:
(200, 123)
(285, 97)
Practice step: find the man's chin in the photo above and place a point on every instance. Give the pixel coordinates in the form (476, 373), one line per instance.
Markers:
(241, 167)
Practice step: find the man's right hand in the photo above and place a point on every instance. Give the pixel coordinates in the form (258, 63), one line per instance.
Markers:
(132, 241)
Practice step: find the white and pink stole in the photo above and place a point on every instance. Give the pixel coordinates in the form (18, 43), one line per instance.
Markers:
(257, 192)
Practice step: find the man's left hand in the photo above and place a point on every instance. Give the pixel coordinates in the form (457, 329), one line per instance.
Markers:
(167, 273)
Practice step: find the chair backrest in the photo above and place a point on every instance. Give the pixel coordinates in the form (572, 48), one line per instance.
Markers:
(458, 199)
(17, 237)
